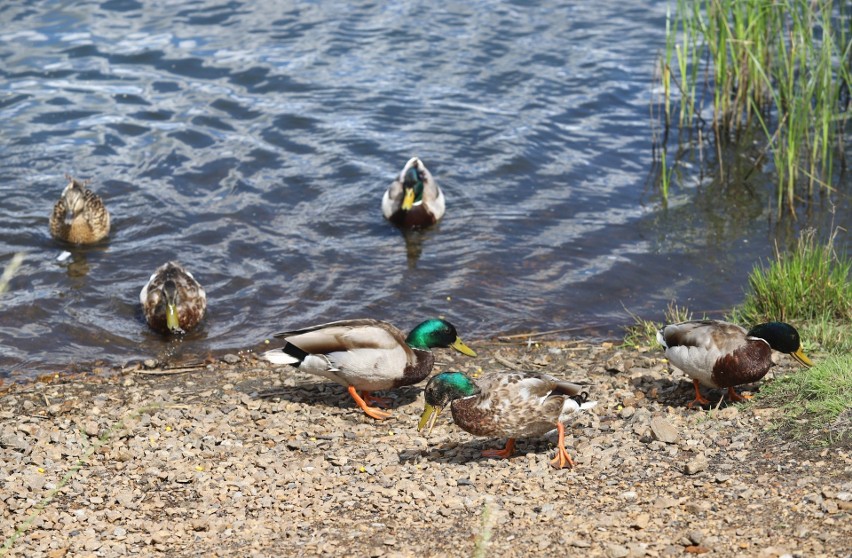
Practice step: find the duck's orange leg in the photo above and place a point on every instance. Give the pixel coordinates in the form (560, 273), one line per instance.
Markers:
(562, 458)
(371, 399)
(372, 412)
(504, 453)
(700, 399)
(734, 396)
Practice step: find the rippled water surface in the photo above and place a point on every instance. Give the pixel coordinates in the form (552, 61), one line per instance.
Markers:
(252, 141)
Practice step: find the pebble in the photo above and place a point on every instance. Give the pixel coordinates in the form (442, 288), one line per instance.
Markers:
(696, 465)
(663, 430)
(231, 358)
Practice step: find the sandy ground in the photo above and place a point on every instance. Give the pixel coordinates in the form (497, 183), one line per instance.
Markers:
(234, 458)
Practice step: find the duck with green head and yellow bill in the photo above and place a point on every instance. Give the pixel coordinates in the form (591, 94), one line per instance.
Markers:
(414, 199)
(506, 404)
(723, 355)
(172, 300)
(367, 355)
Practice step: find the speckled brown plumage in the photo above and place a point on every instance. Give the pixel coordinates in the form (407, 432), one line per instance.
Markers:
(80, 216)
(506, 404)
(191, 299)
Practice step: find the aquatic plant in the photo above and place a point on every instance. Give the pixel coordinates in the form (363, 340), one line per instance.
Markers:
(782, 66)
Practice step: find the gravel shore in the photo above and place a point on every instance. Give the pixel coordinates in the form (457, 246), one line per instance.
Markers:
(236, 458)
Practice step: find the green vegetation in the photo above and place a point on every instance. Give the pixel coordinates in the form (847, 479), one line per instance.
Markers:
(816, 401)
(808, 286)
(781, 66)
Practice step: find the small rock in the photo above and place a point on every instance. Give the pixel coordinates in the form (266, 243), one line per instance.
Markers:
(231, 359)
(149, 363)
(627, 412)
(695, 536)
(664, 502)
(616, 551)
(641, 521)
(663, 430)
(696, 465)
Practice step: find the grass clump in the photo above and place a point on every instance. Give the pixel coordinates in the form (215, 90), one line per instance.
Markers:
(808, 287)
(817, 400)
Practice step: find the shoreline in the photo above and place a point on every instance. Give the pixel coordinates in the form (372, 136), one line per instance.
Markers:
(237, 458)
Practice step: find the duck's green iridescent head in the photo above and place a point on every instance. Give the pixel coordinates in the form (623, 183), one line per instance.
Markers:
(440, 391)
(412, 184)
(783, 338)
(437, 333)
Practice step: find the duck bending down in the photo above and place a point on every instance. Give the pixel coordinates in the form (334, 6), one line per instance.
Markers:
(506, 404)
(414, 198)
(172, 300)
(723, 355)
(80, 216)
(367, 355)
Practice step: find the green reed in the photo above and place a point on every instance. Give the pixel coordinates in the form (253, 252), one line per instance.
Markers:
(781, 65)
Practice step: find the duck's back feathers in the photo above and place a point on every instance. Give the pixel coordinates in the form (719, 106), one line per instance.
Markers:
(368, 354)
(518, 404)
(80, 216)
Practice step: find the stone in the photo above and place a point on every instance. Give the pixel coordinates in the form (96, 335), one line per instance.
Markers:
(663, 430)
(696, 465)
(231, 358)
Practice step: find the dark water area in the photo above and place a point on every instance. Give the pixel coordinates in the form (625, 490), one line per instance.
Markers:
(252, 141)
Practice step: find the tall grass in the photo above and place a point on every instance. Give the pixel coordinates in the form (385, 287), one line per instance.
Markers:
(781, 65)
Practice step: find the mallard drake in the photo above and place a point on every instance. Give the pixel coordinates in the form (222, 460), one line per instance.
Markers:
(414, 199)
(506, 404)
(367, 355)
(172, 300)
(723, 355)
(80, 216)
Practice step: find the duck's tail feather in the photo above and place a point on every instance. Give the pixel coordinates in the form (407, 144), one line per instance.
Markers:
(288, 354)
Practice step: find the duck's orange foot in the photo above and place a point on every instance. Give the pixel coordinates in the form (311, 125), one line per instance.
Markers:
(371, 399)
(504, 453)
(734, 396)
(371, 412)
(699, 399)
(562, 458)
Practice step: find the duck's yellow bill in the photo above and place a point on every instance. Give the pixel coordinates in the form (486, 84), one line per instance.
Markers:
(802, 357)
(172, 321)
(459, 345)
(429, 416)
(408, 200)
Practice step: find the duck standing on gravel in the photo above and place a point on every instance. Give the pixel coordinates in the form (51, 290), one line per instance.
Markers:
(172, 300)
(367, 355)
(80, 216)
(723, 355)
(506, 404)
(414, 199)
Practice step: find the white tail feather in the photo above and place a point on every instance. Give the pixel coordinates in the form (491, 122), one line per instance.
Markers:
(277, 356)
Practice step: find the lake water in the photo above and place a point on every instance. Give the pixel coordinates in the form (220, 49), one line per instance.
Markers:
(252, 141)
